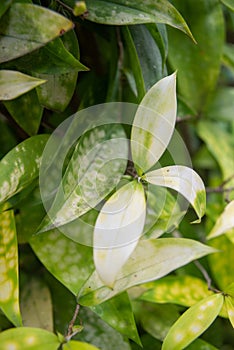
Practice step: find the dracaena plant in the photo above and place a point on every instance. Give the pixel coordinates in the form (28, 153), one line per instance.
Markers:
(120, 222)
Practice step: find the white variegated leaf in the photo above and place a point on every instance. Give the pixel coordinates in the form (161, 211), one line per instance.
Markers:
(185, 181)
(224, 223)
(118, 229)
(151, 260)
(154, 123)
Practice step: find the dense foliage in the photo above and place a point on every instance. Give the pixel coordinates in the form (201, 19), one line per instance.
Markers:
(106, 106)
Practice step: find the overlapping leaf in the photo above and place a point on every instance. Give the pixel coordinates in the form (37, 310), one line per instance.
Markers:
(154, 124)
(78, 345)
(120, 13)
(9, 284)
(224, 223)
(193, 322)
(163, 256)
(21, 166)
(118, 229)
(4, 6)
(27, 338)
(185, 181)
(26, 27)
(14, 84)
(229, 303)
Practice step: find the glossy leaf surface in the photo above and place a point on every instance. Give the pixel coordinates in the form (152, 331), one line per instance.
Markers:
(14, 84)
(27, 338)
(163, 256)
(118, 229)
(185, 181)
(9, 284)
(224, 223)
(154, 123)
(229, 303)
(26, 27)
(21, 166)
(120, 13)
(193, 322)
(78, 345)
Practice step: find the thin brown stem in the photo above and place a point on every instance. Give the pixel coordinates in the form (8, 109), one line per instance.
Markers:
(206, 276)
(70, 330)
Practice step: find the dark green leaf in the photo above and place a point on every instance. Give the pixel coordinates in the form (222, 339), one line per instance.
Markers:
(4, 6)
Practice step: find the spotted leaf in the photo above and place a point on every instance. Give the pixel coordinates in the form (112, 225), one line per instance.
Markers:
(193, 322)
(78, 345)
(185, 181)
(9, 284)
(118, 229)
(21, 166)
(27, 338)
(154, 123)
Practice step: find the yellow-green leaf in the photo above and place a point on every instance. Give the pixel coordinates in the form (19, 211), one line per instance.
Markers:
(229, 303)
(193, 322)
(224, 223)
(78, 345)
(9, 284)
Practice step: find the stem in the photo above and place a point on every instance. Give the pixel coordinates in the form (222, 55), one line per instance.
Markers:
(70, 331)
(221, 189)
(206, 276)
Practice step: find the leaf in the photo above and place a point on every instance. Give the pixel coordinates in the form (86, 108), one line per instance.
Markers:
(193, 322)
(117, 312)
(221, 107)
(36, 305)
(118, 229)
(26, 27)
(200, 344)
(21, 166)
(222, 150)
(224, 223)
(96, 166)
(120, 13)
(28, 338)
(198, 65)
(9, 284)
(163, 256)
(185, 181)
(182, 290)
(68, 260)
(4, 6)
(154, 123)
(228, 60)
(14, 84)
(26, 111)
(222, 263)
(229, 4)
(229, 303)
(77, 345)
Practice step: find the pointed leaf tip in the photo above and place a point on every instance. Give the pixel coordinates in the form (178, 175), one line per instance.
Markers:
(154, 123)
(118, 229)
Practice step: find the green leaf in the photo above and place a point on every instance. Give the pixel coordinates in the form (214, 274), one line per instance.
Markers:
(222, 105)
(230, 290)
(163, 256)
(36, 305)
(14, 84)
(228, 59)
(118, 229)
(68, 260)
(222, 263)
(119, 12)
(61, 80)
(200, 344)
(117, 312)
(222, 150)
(4, 6)
(20, 166)
(224, 223)
(185, 181)
(78, 345)
(229, 303)
(182, 290)
(96, 166)
(154, 123)
(229, 4)
(26, 111)
(198, 65)
(27, 338)
(9, 284)
(193, 322)
(26, 27)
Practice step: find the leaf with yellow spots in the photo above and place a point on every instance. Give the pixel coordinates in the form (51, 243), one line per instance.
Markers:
(229, 303)
(78, 345)
(21, 166)
(9, 284)
(193, 322)
(183, 290)
(27, 338)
